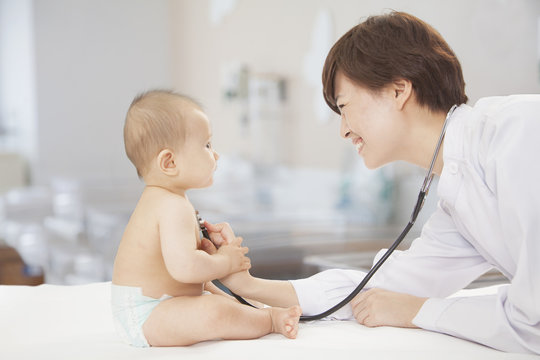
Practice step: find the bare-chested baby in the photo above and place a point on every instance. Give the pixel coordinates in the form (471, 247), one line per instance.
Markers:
(162, 293)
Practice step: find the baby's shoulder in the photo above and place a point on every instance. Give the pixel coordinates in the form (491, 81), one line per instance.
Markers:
(166, 202)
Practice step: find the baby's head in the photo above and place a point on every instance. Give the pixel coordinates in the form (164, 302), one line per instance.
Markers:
(159, 125)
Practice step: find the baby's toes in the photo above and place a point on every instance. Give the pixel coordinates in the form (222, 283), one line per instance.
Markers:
(292, 329)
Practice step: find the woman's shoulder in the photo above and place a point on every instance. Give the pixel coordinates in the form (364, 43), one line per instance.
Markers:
(499, 118)
(501, 107)
(504, 133)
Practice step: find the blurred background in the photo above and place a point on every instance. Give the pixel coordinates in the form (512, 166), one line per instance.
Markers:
(286, 181)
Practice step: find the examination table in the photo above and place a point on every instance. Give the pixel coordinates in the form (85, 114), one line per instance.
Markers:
(74, 322)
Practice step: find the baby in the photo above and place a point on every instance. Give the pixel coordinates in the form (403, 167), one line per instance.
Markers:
(161, 292)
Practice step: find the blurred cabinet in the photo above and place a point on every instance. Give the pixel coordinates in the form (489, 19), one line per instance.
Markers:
(13, 170)
(12, 269)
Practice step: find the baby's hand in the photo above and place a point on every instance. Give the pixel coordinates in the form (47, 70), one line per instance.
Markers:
(208, 246)
(236, 255)
(220, 234)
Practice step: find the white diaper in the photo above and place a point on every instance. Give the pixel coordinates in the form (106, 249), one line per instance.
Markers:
(130, 309)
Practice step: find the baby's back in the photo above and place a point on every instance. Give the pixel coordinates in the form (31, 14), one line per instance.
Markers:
(139, 260)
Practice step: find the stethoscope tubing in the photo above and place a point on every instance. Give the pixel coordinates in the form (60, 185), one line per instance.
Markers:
(373, 269)
(216, 282)
(419, 204)
(360, 286)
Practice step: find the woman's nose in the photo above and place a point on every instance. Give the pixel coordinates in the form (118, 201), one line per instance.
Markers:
(216, 155)
(345, 132)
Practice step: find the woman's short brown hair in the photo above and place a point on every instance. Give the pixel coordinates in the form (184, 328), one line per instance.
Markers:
(397, 45)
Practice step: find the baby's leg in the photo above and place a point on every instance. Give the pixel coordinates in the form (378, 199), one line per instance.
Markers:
(187, 320)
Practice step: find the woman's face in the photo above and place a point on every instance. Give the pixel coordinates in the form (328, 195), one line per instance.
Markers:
(370, 120)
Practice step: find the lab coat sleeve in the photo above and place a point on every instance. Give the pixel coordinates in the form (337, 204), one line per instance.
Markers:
(437, 264)
(321, 291)
(510, 320)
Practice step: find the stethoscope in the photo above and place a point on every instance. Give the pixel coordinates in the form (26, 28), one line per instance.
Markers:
(424, 190)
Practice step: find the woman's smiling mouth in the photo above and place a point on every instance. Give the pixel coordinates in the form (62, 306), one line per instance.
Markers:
(359, 144)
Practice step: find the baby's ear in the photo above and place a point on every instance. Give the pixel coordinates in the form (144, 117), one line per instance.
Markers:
(167, 162)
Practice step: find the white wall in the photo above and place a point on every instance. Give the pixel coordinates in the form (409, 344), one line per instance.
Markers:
(17, 79)
(92, 58)
(496, 41)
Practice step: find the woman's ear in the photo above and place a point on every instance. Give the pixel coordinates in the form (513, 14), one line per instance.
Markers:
(402, 89)
(167, 162)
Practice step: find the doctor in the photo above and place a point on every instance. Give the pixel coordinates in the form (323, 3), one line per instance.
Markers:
(393, 79)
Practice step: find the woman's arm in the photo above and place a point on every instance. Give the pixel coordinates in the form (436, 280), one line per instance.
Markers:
(271, 292)
(438, 264)
(509, 320)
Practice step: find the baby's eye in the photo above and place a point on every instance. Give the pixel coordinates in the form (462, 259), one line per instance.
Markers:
(209, 146)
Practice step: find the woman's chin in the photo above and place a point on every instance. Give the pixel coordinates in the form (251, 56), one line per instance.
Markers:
(373, 164)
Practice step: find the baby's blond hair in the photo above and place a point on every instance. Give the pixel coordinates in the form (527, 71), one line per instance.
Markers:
(155, 121)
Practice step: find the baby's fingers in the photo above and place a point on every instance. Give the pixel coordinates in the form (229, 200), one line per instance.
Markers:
(208, 246)
(237, 241)
(247, 264)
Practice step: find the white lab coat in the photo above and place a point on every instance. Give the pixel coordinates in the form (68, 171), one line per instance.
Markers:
(488, 216)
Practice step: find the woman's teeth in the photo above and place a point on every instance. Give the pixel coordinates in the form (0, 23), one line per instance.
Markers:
(359, 143)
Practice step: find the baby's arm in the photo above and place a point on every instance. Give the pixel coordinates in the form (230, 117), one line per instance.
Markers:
(185, 262)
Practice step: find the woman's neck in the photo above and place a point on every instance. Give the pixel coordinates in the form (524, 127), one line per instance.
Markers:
(426, 127)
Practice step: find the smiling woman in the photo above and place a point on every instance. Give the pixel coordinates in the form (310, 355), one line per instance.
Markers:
(398, 87)
(393, 78)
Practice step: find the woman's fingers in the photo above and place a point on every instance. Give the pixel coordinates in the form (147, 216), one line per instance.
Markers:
(379, 307)
(359, 307)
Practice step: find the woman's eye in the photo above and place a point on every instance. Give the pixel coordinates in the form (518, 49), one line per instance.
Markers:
(209, 145)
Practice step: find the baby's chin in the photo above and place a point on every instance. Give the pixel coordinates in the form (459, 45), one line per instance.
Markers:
(207, 184)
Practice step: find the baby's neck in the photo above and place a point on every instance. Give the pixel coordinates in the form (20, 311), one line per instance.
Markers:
(181, 192)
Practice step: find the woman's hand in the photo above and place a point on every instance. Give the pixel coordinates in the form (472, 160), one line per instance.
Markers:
(378, 307)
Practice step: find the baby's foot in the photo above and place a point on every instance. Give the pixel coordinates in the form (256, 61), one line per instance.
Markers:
(285, 321)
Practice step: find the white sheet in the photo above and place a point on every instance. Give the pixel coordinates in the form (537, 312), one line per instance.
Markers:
(74, 322)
